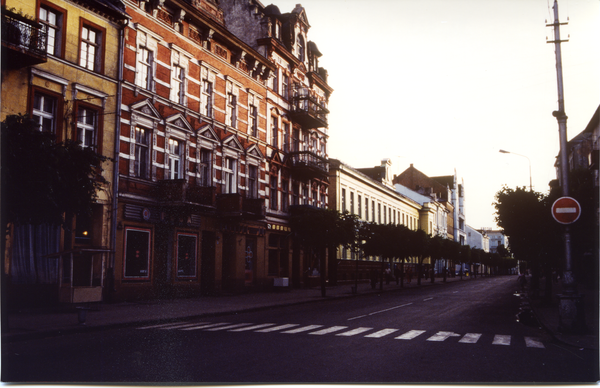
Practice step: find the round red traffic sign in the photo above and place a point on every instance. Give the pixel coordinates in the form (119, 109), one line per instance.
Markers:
(566, 210)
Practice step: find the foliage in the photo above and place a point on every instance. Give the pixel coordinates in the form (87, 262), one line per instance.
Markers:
(43, 179)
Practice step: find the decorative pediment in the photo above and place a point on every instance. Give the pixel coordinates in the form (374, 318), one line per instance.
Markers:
(146, 108)
(206, 132)
(179, 121)
(254, 151)
(233, 143)
(276, 158)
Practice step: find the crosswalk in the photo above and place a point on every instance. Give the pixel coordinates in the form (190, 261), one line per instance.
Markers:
(345, 331)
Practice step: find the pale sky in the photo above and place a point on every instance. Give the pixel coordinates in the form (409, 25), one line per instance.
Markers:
(446, 84)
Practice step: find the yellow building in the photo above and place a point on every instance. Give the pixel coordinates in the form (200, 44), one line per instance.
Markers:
(61, 67)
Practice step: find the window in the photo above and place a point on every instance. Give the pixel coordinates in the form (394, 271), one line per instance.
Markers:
(232, 109)
(273, 193)
(44, 112)
(229, 175)
(52, 21)
(301, 48)
(205, 168)
(252, 181)
(284, 195)
(384, 214)
(286, 137)
(295, 140)
(351, 202)
(278, 257)
(274, 134)
(137, 253)
(207, 98)
(86, 127)
(276, 81)
(178, 85)
(285, 80)
(186, 255)
(366, 209)
(144, 71)
(373, 210)
(142, 153)
(343, 200)
(90, 54)
(175, 156)
(359, 206)
(253, 120)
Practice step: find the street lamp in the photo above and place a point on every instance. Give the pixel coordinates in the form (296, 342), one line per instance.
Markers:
(508, 152)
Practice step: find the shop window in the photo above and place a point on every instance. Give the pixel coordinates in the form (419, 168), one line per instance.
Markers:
(186, 255)
(278, 257)
(137, 254)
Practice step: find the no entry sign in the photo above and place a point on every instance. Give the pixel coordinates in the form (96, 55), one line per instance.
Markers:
(566, 210)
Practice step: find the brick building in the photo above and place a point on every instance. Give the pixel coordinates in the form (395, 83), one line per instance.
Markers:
(223, 129)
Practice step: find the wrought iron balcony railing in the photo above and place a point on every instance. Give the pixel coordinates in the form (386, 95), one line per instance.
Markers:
(307, 165)
(307, 110)
(23, 41)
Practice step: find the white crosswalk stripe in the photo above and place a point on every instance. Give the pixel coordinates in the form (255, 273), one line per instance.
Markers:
(228, 327)
(534, 343)
(328, 330)
(253, 327)
(301, 329)
(470, 338)
(198, 327)
(501, 340)
(342, 331)
(381, 333)
(355, 331)
(410, 334)
(442, 336)
(276, 328)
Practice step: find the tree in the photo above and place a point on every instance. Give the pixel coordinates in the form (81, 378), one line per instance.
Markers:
(45, 181)
(317, 229)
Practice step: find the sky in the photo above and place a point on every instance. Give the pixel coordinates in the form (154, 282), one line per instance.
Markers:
(446, 84)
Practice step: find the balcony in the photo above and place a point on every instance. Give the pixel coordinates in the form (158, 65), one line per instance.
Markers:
(237, 205)
(178, 192)
(23, 41)
(307, 110)
(308, 165)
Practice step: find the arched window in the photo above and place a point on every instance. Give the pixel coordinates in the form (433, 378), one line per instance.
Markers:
(301, 48)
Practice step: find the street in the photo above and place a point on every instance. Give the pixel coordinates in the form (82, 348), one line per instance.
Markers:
(459, 333)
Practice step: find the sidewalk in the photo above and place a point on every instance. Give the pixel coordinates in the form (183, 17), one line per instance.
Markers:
(548, 316)
(38, 323)
(30, 324)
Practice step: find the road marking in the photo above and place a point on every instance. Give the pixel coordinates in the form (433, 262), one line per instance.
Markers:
(470, 338)
(205, 326)
(275, 328)
(360, 316)
(228, 327)
(301, 329)
(331, 329)
(425, 300)
(181, 326)
(411, 334)
(355, 331)
(161, 325)
(442, 336)
(381, 333)
(501, 340)
(454, 292)
(253, 327)
(534, 343)
(391, 308)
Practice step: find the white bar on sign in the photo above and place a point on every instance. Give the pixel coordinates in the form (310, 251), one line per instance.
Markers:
(566, 210)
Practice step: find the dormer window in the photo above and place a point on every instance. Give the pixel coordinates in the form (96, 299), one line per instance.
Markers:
(275, 28)
(301, 48)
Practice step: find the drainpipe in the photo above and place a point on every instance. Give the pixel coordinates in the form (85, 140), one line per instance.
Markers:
(115, 191)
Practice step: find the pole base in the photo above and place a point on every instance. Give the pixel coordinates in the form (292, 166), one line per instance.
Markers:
(571, 314)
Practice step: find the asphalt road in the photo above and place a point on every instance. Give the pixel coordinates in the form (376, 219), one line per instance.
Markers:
(459, 333)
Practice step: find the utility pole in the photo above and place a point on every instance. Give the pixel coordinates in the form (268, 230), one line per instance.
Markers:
(571, 313)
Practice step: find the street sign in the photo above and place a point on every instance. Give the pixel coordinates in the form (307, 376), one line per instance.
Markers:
(566, 210)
